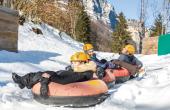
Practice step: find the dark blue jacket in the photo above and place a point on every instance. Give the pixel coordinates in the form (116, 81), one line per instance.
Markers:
(105, 65)
(131, 59)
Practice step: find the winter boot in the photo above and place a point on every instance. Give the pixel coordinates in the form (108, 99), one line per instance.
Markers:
(31, 78)
(18, 79)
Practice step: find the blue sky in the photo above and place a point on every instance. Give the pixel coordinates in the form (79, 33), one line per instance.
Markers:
(131, 9)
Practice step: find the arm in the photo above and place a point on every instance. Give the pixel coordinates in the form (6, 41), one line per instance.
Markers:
(97, 61)
(138, 63)
(122, 57)
(93, 57)
(111, 65)
(100, 64)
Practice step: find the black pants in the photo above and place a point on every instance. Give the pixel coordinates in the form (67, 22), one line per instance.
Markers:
(61, 77)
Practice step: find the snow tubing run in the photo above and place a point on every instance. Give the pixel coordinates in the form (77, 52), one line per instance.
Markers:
(78, 94)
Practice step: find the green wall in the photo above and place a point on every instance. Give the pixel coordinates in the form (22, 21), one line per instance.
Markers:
(164, 44)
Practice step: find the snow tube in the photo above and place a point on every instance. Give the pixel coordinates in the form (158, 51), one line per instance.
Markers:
(78, 94)
(109, 79)
(121, 75)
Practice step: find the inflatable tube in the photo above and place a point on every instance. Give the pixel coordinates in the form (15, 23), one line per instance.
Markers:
(79, 94)
(109, 79)
(121, 75)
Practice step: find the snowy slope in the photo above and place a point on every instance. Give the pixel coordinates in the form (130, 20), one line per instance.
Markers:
(51, 51)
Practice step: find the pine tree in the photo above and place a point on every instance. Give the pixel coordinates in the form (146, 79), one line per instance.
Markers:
(82, 28)
(120, 34)
(74, 7)
(158, 26)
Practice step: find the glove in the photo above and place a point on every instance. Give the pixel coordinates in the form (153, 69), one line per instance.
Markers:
(69, 68)
(117, 66)
(103, 61)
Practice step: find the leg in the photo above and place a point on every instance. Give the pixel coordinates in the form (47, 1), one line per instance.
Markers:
(31, 78)
(27, 80)
(131, 68)
(100, 72)
(18, 79)
(71, 77)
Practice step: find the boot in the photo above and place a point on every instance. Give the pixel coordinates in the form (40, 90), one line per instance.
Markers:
(31, 78)
(18, 79)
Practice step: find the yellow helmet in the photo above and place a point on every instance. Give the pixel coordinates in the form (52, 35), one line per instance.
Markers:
(88, 57)
(87, 47)
(79, 56)
(130, 49)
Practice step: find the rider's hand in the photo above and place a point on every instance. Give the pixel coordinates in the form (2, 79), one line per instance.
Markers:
(45, 75)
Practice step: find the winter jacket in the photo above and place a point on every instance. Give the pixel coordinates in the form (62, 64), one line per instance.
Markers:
(104, 65)
(90, 66)
(97, 61)
(131, 59)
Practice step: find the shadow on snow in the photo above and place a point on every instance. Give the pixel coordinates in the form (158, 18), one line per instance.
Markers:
(34, 57)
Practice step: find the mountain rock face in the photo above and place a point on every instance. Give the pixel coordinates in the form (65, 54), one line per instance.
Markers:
(103, 21)
(101, 10)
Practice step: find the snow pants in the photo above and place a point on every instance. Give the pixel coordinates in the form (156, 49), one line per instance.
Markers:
(61, 77)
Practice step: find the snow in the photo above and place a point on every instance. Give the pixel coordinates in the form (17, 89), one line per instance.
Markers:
(52, 50)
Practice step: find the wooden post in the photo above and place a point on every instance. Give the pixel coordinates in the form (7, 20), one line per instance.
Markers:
(8, 29)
